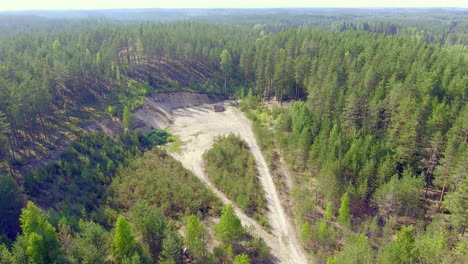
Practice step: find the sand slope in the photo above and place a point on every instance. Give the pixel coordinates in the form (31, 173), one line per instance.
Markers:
(191, 118)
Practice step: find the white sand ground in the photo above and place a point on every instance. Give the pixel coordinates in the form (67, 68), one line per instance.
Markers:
(196, 127)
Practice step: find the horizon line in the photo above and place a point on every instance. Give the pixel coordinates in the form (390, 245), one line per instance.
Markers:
(272, 7)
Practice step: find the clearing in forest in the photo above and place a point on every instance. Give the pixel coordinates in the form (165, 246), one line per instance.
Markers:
(197, 127)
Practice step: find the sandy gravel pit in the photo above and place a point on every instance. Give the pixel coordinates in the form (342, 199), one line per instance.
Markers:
(197, 127)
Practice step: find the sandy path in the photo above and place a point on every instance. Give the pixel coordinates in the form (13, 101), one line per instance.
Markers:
(197, 127)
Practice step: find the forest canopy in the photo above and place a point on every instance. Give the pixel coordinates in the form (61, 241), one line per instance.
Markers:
(366, 110)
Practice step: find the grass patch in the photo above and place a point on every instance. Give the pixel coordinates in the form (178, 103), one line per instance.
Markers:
(174, 144)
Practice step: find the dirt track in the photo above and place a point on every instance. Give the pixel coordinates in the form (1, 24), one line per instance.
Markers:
(196, 127)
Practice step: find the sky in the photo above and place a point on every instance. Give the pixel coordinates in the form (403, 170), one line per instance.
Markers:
(13, 5)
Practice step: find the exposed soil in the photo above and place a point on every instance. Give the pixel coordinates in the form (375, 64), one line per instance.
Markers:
(196, 127)
(156, 112)
(284, 184)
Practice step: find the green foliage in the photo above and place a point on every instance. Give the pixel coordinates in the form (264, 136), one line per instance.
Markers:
(250, 101)
(156, 138)
(11, 201)
(226, 62)
(300, 118)
(174, 144)
(456, 203)
(344, 217)
(195, 237)
(329, 182)
(402, 250)
(135, 259)
(398, 196)
(226, 66)
(111, 110)
(171, 249)
(224, 253)
(77, 182)
(4, 129)
(329, 212)
(331, 260)
(324, 234)
(151, 227)
(378, 115)
(305, 206)
(256, 246)
(6, 257)
(306, 234)
(91, 244)
(231, 167)
(37, 249)
(175, 196)
(357, 249)
(127, 118)
(124, 241)
(41, 240)
(242, 259)
(375, 130)
(229, 229)
(432, 245)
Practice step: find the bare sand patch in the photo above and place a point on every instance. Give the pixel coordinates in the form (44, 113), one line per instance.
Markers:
(192, 119)
(196, 127)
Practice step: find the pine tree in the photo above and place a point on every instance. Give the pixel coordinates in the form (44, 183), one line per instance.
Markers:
(344, 217)
(402, 250)
(404, 130)
(4, 130)
(386, 199)
(11, 201)
(91, 244)
(457, 204)
(151, 225)
(226, 66)
(357, 249)
(124, 241)
(171, 252)
(195, 237)
(229, 229)
(329, 212)
(42, 244)
(433, 245)
(127, 118)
